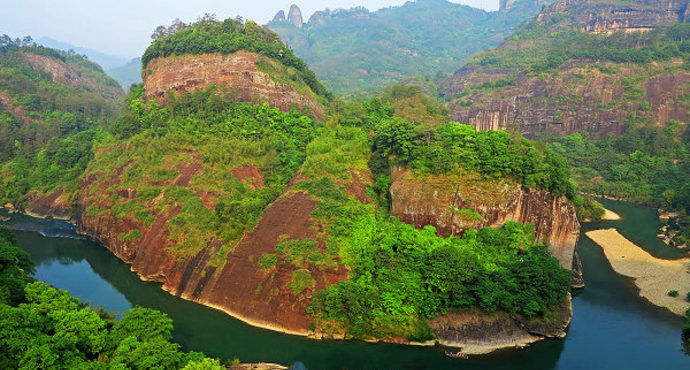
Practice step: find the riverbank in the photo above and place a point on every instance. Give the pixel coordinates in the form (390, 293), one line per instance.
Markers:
(655, 277)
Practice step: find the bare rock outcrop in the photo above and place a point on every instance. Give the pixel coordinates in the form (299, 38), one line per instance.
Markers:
(295, 16)
(53, 204)
(236, 71)
(279, 17)
(477, 332)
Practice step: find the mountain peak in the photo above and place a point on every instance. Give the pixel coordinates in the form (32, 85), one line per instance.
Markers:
(280, 16)
(295, 16)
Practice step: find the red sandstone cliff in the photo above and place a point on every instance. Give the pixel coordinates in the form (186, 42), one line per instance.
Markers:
(596, 95)
(435, 200)
(580, 96)
(237, 71)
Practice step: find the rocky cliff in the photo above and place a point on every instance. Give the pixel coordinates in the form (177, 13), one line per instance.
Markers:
(580, 96)
(295, 16)
(73, 74)
(609, 16)
(439, 200)
(232, 281)
(478, 333)
(527, 83)
(279, 17)
(239, 71)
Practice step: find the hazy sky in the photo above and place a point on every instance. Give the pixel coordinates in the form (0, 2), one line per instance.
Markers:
(123, 27)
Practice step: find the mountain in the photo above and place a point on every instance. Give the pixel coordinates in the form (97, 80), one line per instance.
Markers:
(52, 103)
(594, 65)
(357, 50)
(127, 74)
(231, 182)
(105, 60)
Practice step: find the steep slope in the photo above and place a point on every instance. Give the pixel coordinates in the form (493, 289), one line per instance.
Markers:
(52, 104)
(283, 220)
(449, 201)
(356, 50)
(595, 65)
(242, 57)
(273, 218)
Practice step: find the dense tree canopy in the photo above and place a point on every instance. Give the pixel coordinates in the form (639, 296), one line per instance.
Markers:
(42, 327)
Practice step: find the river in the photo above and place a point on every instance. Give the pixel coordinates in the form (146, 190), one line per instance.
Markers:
(612, 327)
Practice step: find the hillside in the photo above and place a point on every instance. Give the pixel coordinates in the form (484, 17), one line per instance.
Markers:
(587, 69)
(357, 50)
(246, 59)
(52, 104)
(277, 219)
(594, 65)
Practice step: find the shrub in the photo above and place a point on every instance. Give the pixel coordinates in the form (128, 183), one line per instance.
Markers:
(672, 293)
(268, 260)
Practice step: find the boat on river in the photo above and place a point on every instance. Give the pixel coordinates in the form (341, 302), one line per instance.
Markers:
(461, 355)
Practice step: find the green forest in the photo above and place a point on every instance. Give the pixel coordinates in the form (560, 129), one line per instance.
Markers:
(42, 327)
(647, 164)
(49, 144)
(357, 51)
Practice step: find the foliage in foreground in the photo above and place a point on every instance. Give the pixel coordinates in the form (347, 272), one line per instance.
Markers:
(43, 327)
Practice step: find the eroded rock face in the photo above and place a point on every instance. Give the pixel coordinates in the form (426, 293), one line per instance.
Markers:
(279, 17)
(64, 74)
(583, 94)
(609, 16)
(237, 71)
(505, 4)
(477, 332)
(579, 97)
(232, 281)
(435, 200)
(53, 205)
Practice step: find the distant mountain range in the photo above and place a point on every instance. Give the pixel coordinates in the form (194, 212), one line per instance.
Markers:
(124, 70)
(357, 50)
(106, 61)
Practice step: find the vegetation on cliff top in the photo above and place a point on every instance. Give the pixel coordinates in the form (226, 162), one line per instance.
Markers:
(46, 124)
(402, 277)
(43, 327)
(229, 36)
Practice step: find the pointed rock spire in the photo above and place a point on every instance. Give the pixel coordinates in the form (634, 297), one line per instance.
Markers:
(295, 16)
(280, 17)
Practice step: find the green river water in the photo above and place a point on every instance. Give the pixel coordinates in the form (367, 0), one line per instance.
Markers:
(612, 327)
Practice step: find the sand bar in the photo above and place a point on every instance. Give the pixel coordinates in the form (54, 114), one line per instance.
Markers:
(654, 276)
(610, 216)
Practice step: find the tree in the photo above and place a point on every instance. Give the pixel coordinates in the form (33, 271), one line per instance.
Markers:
(142, 323)
(15, 267)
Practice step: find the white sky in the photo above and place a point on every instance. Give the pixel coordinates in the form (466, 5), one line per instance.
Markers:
(123, 27)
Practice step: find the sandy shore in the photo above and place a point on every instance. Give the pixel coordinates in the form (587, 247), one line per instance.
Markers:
(654, 276)
(610, 216)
